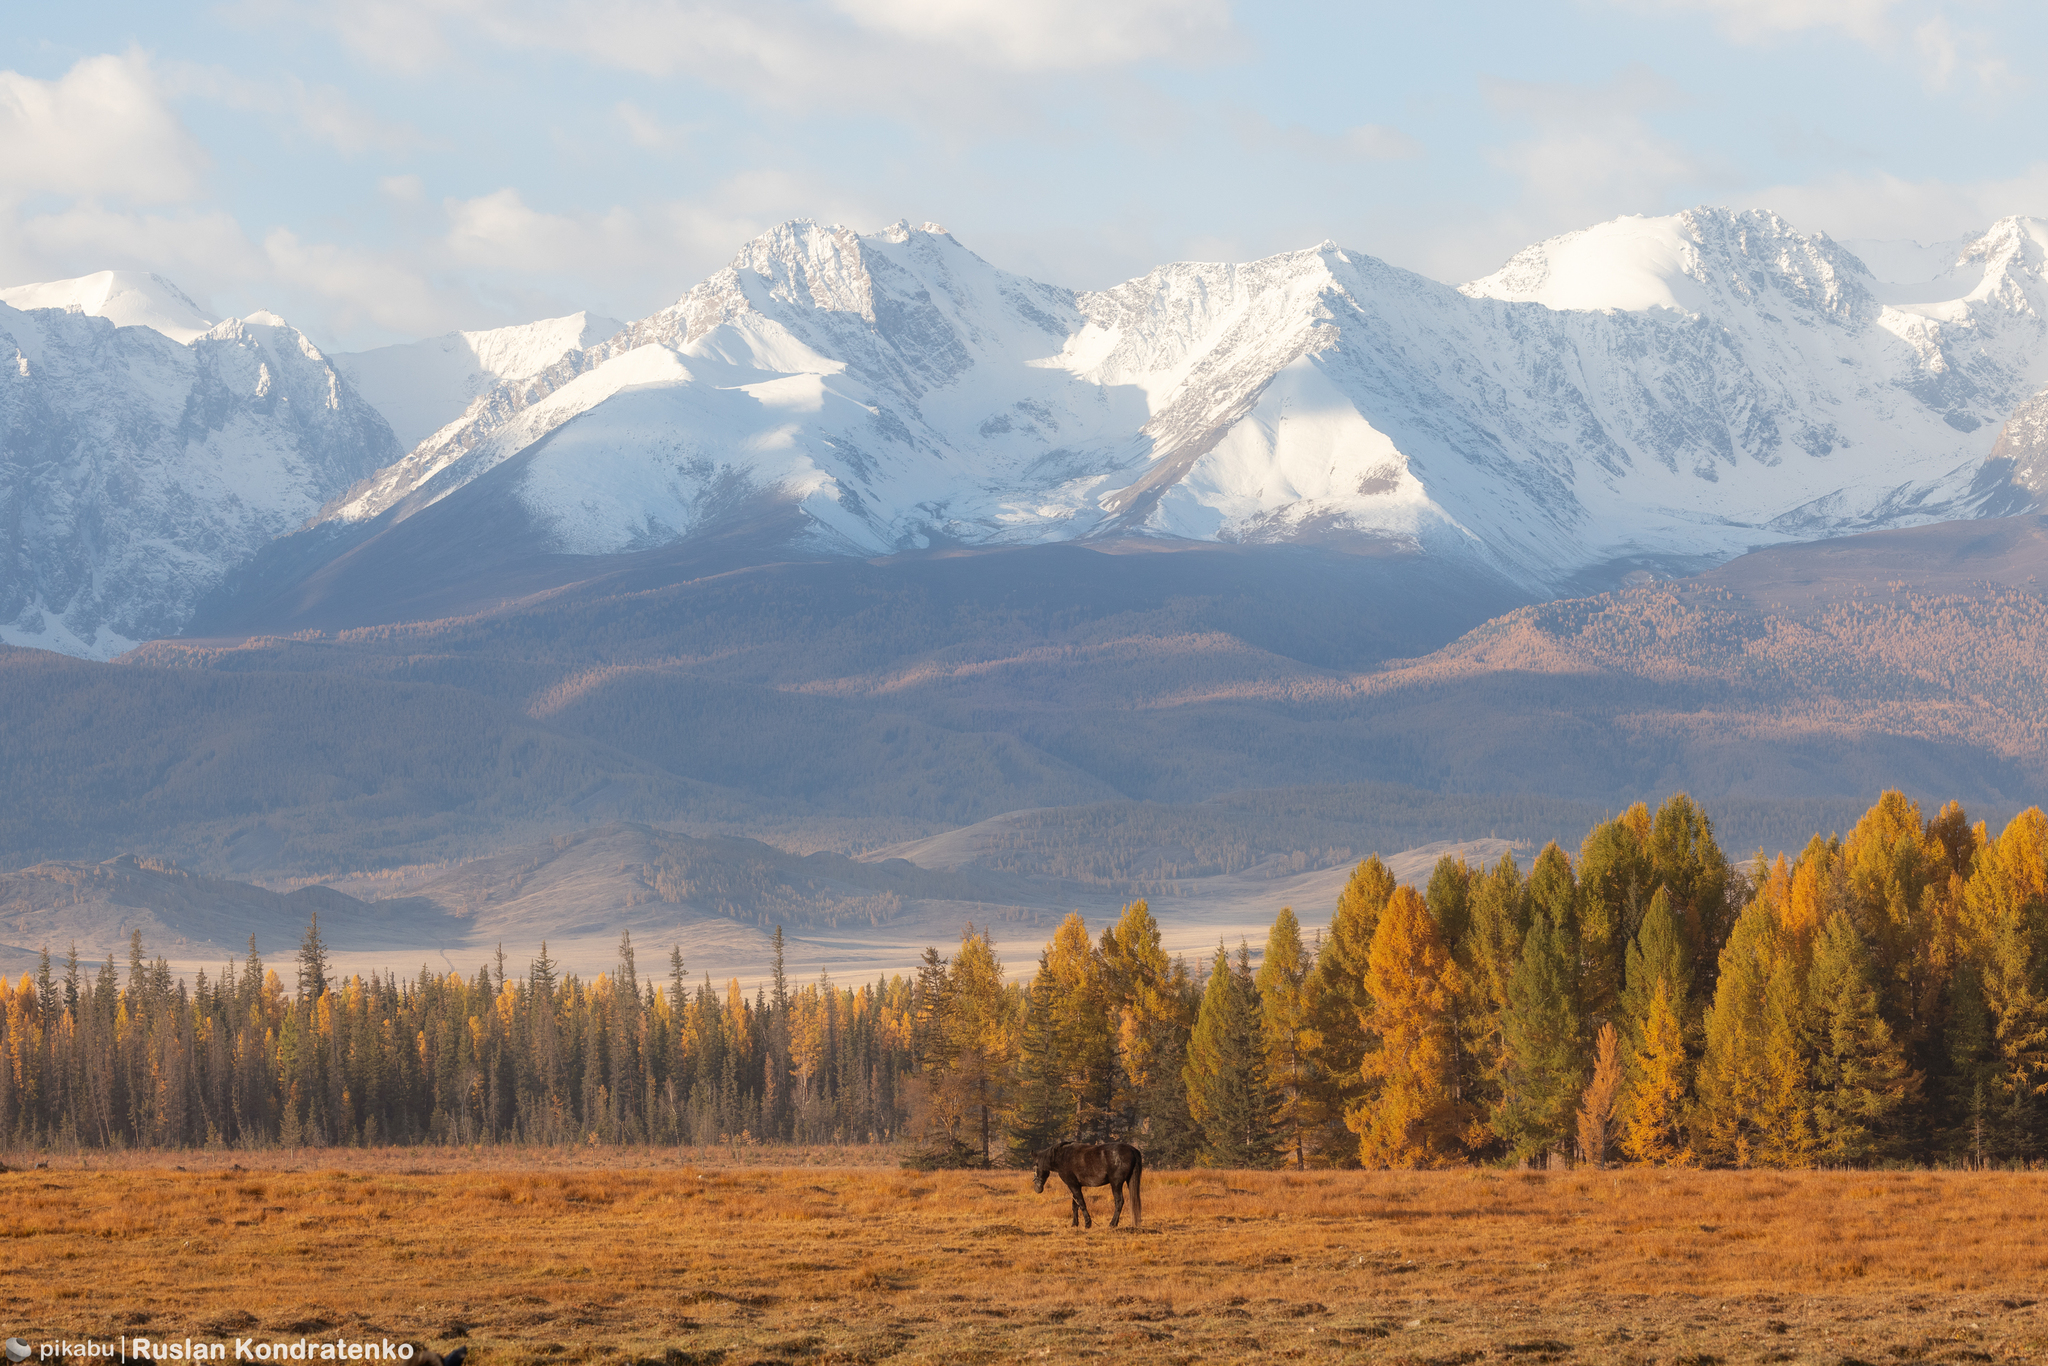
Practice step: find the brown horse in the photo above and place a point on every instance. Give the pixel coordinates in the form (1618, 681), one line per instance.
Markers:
(1096, 1164)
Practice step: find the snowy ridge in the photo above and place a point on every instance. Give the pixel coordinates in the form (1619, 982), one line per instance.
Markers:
(140, 471)
(1686, 386)
(1691, 385)
(125, 298)
(421, 387)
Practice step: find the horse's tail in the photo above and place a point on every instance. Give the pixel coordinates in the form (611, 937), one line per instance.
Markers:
(1137, 1188)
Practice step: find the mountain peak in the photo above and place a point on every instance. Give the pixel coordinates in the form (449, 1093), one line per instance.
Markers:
(126, 298)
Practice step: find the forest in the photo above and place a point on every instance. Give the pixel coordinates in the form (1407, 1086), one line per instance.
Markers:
(1879, 999)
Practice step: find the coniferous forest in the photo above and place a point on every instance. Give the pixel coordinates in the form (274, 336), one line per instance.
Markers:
(1879, 998)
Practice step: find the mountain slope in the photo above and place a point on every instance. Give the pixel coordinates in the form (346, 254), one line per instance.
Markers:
(1684, 387)
(421, 387)
(124, 298)
(135, 472)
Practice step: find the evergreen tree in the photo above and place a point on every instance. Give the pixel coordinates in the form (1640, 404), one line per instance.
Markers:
(312, 961)
(1861, 1083)
(1687, 863)
(1542, 1064)
(1735, 1081)
(1225, 1071)
(1969, 1079)
(1657, 954)
(1449, 897)
(981, 1026)
(1287, 1035)
(1068, 1064)
(1417, 1117)
(1500, 922)
(1152, 1005)
(1614, 887)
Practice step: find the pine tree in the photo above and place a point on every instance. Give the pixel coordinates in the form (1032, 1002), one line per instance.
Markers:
(981, 1029)
(1657, 954)
(312, 961)
(1500, 922)
(1542, 1065)
(1287, 1036)
(1152, 1006)
(1861, 1082)
(1449, 897)
(1970, 1076)
(1785, 1118)
(1068, 1066)
(1688, 864)
(1416, 1117)
(1614, 885)
(1225, 1070)
(1735, 1075)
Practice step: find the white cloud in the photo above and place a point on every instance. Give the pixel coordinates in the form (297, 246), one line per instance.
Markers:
(1591, 152)
(1890, 208)
(645, 130)
(360, 288)
(1364, 142)
(1761, 20)
(1915, 32)
(1945, 52)
(102, 130)
(1054, 35)
(970, 58)
(321, 112)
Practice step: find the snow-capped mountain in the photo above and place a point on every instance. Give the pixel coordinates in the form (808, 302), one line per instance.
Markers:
(1681, 386)
(1684, 386)
(136, 471)
(126, 298)
(421, 387)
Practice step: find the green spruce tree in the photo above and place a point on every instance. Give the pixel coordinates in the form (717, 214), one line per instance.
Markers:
(1228, 1092)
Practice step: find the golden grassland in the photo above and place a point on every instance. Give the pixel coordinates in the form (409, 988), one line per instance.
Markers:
(630, 1256)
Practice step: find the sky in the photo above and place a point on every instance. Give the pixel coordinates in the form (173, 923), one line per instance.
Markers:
(383, 170)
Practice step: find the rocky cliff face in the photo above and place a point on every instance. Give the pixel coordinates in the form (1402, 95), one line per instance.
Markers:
(135, 471)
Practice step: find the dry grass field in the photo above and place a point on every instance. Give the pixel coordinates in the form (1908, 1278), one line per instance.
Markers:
(610, 1255)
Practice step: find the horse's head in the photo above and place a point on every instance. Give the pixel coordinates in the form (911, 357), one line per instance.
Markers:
(1045, 1164)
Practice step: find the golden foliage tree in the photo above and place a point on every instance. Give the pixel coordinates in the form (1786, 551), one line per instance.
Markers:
(1416, 1116)
(1603, 1092)
(1653, 1117)
(1341, 1004)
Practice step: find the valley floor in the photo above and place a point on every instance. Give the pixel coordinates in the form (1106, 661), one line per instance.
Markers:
(631, 1255)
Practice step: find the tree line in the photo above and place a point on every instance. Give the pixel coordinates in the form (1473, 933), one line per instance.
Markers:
(1879, 998)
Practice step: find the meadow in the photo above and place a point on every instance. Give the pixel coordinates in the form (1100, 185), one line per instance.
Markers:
(628, 1255)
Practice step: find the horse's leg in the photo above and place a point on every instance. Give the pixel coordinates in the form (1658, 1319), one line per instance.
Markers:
(1116, 1193)
(1138, 1191)
(1081, 1215)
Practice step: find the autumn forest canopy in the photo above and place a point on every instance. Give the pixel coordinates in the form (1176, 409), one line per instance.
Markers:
(1881, 997)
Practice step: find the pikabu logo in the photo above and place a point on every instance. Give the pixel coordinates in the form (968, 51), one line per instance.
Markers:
(17, 1350)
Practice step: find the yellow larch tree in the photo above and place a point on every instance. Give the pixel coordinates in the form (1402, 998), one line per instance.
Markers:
(1416, 1117)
